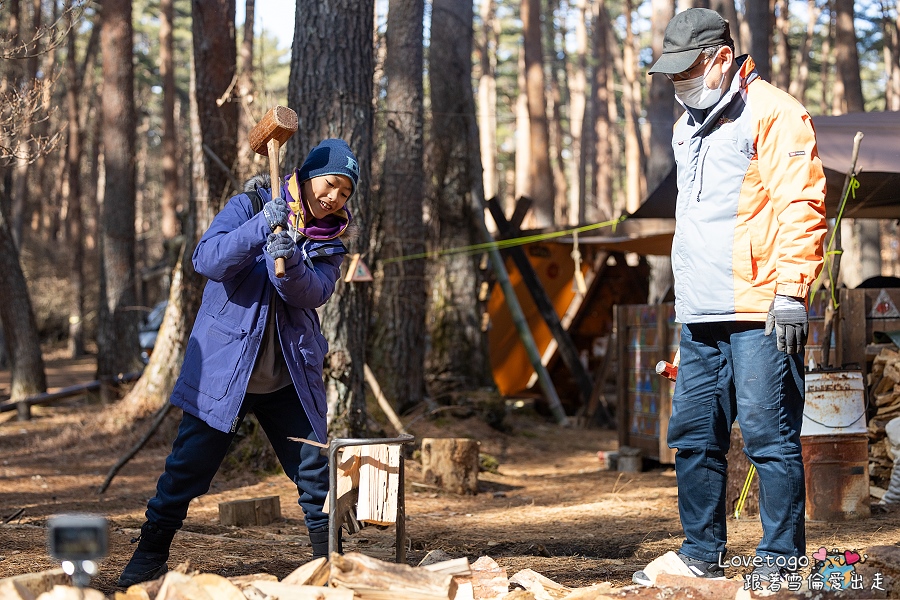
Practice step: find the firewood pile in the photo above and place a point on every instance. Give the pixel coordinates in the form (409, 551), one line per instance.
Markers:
(354, 576)
(884, 395)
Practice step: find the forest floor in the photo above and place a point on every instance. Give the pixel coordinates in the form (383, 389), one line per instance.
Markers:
(548, 507)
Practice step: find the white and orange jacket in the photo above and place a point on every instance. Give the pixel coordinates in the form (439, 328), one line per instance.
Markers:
(750, 217)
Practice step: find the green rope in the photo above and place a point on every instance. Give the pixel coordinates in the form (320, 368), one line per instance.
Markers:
(508, 243)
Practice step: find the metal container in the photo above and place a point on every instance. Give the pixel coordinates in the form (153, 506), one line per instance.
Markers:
(835, 403)
(837, 476)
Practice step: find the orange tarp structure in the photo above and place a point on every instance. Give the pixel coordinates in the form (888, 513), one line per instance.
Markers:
(555, 268)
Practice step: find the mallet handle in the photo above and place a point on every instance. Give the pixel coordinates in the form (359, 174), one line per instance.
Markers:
(274, 150)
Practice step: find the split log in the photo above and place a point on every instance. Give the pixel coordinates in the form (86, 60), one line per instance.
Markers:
(373, 579)
(489, 580)
(456, 567)
(451, 464)
(283, 591)
(542, 587)
(31, 585)
(217, 587)
(347, 479)
(251, 511)
(315, 572)
(379, 484)
(66, 592)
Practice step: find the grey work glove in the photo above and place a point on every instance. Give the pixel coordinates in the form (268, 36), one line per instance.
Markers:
(788, 317)
(276, 212)
(280, 245)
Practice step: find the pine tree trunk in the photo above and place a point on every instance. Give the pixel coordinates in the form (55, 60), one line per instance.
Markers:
(338, 40)
(631, 100)
(246, 94)
(487, 97)
(117, 338)
(75, 220)
(758, 17)
(603, 166)
(577, 113)
(457, 358)
(847, 58)
(19, 327)
(783, 46)
(798, 86)
(168, 218)
(399, 342)
(554, 96)
(539, 170)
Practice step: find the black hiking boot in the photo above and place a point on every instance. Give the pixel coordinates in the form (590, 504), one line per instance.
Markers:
(149, 559)
(319, 540)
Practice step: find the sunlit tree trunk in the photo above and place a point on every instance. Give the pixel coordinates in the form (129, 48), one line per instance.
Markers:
(863, 244)
(758, 17)
(245, 95)
(729, 13)
(398, 356)
(117, 338)
(577, 107)
(539, 170)
(524, 182)
(458, 355)
(487, 96)
(825, 66)
(168, 202)
(558, 60)
(631, 100)
(603, 156)
(798, 86)
(337, 40)
(782, 78)
(660, 158)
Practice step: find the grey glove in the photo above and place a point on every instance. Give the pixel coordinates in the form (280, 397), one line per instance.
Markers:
(280, 245)
(276, 212)
(787, 316)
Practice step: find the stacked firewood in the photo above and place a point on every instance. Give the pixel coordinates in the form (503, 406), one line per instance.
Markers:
(884, 399)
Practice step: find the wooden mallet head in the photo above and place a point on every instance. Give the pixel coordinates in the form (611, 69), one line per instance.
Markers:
(278, 124)
(266, 138)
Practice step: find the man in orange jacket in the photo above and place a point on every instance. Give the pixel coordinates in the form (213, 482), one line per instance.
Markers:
(750, 220)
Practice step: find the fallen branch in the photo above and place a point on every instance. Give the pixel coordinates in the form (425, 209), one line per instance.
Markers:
(157, 421)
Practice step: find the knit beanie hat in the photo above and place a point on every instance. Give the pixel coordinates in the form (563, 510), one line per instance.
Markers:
(331, 157)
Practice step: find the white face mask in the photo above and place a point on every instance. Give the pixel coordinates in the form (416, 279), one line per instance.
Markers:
(695, 93)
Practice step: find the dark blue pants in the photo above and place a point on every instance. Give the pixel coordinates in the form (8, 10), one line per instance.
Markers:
(727, 371)
(199, 449)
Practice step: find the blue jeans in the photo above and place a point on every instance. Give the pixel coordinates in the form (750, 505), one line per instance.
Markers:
(199, 450)
(727, 371)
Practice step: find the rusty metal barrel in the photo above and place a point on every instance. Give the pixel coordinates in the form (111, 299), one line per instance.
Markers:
(835, 446)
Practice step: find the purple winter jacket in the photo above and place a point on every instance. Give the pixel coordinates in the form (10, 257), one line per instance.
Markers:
(229, 326)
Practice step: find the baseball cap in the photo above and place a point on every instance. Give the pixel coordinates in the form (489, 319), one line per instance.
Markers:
(687, 34)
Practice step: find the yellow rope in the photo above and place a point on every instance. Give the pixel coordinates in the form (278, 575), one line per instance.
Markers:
(746, 490)
(509, 243)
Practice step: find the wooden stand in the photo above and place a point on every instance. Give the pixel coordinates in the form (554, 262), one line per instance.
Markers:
(451, 464)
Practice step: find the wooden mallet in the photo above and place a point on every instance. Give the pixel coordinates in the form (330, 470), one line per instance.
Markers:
(266, 138)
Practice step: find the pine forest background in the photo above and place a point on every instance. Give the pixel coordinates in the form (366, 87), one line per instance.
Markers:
(123, 129)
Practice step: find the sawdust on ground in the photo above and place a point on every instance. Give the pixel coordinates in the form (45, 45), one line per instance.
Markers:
(548, 507)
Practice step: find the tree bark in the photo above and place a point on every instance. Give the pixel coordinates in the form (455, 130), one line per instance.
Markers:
(631, 100)
(215, 62)
(74, 150)
(603, 168)
(758, 17)
(399, 342)
(246, 93)
(168, 204)
(457, 357)
(539, 171)
(554, 97)
(846, 61)
(782, 78)
(577, 111)
(798, 86)
(487, 96)
(23, 346)
(117, 338)
(337, 40)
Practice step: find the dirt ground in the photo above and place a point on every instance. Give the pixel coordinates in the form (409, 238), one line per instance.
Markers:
(548, 507)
